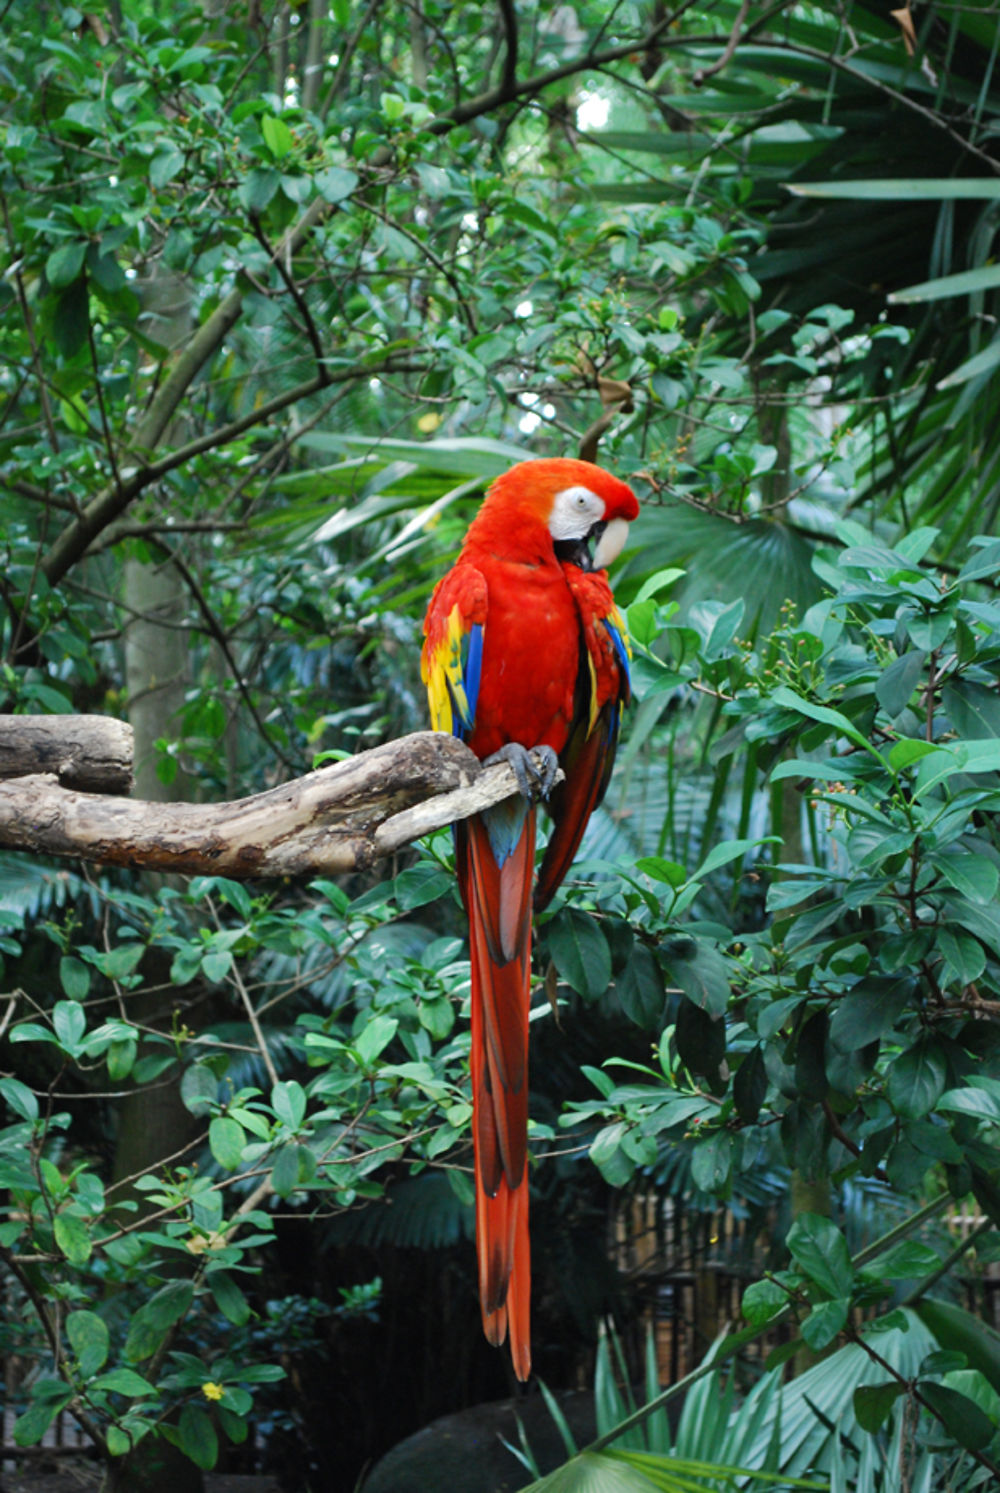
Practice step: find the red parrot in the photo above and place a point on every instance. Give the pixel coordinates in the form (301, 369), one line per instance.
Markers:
(524, 652)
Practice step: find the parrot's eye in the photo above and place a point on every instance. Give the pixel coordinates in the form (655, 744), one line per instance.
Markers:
(575, 511)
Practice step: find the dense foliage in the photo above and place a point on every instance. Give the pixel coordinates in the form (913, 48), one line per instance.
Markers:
(286, 286)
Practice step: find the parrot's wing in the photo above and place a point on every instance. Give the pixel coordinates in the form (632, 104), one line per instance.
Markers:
(452, 657)
(603, 690)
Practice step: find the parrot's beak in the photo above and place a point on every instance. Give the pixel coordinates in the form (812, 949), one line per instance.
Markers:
(611, 543)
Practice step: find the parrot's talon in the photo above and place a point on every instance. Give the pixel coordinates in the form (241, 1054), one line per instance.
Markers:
(534, 778)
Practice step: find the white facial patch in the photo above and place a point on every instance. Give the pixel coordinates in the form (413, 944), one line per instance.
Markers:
(574, 513)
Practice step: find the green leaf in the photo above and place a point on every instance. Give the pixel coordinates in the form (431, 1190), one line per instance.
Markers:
(973, 875)
(334, 183)
(152, 1321)
(197, 1438)
(277, 136)
(69, 1022)
(711, 1161)
(289, 1103)
(89, 1338)
(703, 975)
(964, 954)
(19, 1098)
(606, 1152)
(64, 264)
(750, 1085)
(896, 189)
(580, 952)
(789, 700)
(763, 1300)
(873, 1403)
(375, 1038)
(229, 1298)
(894, 689)
(968, 282)
(199, 1088)
(640, 989)
(868, 1010)
(74, 976)
(820, 1251)
(825, 1321)
(32, 1425)
(72, 1238)
(961, 1417)
(959, 1331)
(125, 1382)
(916, 1079)
(165, 165)
(226, 1139)
(257, 188)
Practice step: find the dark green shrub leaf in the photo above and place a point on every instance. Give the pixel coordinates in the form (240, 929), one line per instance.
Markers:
(580, 952)
(229, 1298)
(873, 1403)
(640, 988)
(197, 1438)
(869, 1010)
(89, 1338)
(917, 1079)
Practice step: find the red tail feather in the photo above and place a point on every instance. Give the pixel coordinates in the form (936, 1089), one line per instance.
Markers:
(498, 902)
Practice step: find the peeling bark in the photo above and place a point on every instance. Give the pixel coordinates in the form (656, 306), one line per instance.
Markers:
(90, 752)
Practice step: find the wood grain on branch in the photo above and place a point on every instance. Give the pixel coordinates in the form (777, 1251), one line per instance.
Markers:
(338, 819)
(90, 752)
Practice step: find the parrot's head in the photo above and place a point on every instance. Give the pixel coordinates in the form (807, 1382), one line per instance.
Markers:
(584, 511)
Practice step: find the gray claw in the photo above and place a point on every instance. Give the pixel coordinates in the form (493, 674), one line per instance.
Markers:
(535, 779)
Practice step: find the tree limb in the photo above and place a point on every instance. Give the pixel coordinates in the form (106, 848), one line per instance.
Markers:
(338, 819)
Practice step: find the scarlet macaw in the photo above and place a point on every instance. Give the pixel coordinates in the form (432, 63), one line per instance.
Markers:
(524, 651)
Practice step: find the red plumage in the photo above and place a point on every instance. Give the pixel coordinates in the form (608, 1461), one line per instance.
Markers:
(523, 648)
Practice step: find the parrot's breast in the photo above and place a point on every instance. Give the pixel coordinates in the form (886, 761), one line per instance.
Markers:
(531, 654)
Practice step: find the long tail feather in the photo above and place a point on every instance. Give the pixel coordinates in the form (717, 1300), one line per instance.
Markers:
(498, 902)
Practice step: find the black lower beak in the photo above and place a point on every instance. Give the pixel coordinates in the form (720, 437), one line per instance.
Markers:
(578, 552)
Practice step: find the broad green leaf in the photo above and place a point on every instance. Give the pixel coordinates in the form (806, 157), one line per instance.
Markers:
(69, 1022)
(226, 1138)
(873, 1403)
(196, 1436)
(19, 1098)
(820, 1251)
(917, 1078)
(74, 976)
(640, 989)
(826, 1320)
(868, 1010)
(375, 1038)
(73, 1238)
(89, 1338)
(580, 952)
(199, 1088)
(289, 1103)
(277, 136)
(961, 1417)
(229, 1298)
(125, 1382)
(334, 183)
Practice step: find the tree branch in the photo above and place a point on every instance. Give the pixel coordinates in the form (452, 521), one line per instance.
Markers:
(338, 819)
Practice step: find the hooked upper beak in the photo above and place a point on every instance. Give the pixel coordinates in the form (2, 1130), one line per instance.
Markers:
(610, 543)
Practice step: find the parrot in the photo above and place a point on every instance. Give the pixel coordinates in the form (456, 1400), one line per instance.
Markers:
(526, 659)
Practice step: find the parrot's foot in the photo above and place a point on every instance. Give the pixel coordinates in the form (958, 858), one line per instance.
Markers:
(534, 778)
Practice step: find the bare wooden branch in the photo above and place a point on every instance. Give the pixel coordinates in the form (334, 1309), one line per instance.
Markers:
(338, 819)
(90, 752)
